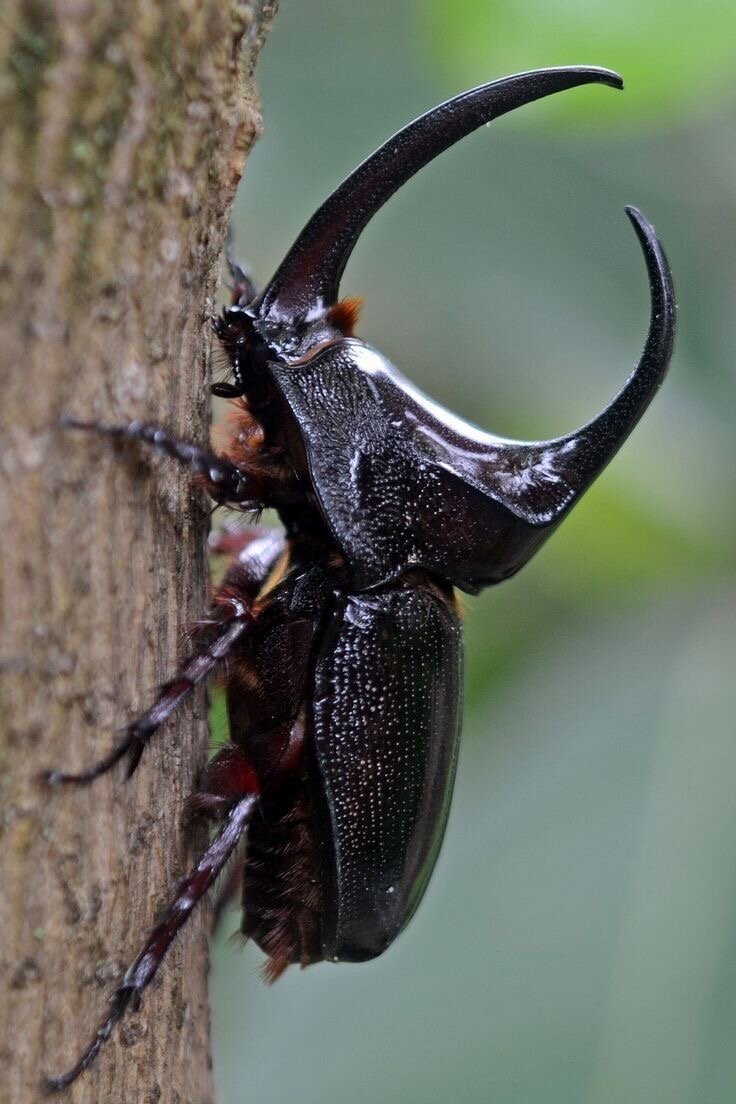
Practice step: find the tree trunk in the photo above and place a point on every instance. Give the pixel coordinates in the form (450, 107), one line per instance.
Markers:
(126, 126)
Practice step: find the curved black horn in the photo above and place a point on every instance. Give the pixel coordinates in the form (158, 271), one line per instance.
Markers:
(590, 448)
(308, 279)
(540, 481)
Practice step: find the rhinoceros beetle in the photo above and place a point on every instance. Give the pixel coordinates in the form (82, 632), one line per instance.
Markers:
(339, 639)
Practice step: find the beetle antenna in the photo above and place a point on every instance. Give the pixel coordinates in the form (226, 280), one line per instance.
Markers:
(307, 282)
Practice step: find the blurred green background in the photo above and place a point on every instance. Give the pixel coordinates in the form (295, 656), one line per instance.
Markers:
(578, 941)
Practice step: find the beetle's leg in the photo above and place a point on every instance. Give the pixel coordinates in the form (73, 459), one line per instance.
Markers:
(230, 540)
(229, 775)
(252, 552)
(142, 972)
(253, 558)
(137, 734)
(224, 481)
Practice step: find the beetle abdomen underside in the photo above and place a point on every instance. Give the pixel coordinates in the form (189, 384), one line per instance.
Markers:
(386, 726)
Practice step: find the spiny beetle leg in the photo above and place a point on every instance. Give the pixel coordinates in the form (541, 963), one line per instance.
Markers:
(142, 972)
(223, 480)
(172, 694)
(228, 776)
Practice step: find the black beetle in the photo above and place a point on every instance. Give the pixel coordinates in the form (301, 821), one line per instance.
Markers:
(339, 639)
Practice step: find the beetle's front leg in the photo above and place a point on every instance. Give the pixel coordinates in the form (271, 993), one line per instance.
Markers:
(224, 481)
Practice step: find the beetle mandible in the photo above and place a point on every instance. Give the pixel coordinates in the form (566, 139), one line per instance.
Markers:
(339, 639)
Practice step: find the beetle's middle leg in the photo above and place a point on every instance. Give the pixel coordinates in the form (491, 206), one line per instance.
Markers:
(136, 735)
(233, 617)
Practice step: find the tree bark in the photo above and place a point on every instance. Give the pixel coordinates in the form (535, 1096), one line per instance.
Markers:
(126, 126)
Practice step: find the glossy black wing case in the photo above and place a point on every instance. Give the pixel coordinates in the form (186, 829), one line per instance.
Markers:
(386, 726)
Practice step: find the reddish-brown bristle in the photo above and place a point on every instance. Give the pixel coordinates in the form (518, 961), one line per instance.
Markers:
(243, 675)
(228, 594)
(336, 560)
(247, 437)
(239, 940)
(273, 968)
(345, 314)
(236, 416)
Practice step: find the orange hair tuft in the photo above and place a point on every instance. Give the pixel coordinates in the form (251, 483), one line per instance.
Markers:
(345, 314)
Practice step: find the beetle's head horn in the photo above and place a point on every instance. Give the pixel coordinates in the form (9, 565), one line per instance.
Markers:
(308, 280)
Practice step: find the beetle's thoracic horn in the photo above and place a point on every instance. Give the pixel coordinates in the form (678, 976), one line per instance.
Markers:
(581, 456)
(540, 481)
(309, 277)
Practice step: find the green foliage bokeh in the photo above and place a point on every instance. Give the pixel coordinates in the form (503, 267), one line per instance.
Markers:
(678, 59)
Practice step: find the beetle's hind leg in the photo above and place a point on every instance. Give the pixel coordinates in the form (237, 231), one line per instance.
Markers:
(145, 967)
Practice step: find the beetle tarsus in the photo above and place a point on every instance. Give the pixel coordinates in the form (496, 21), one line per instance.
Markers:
(120, 1002)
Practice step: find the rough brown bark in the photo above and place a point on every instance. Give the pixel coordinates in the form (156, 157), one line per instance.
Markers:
(125, 128)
